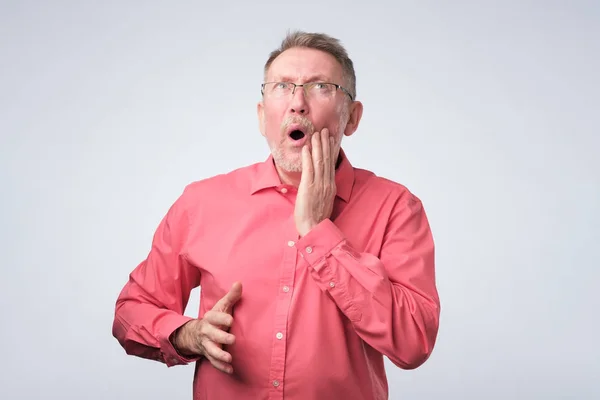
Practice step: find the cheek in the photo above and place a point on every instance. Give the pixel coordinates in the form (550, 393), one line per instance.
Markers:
(272, 121)
(273, 109)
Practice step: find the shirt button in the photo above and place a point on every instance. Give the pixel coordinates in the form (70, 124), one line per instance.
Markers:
(286, 289)
(279, 335)
(331, 284)
(283, 190)
(291, 243)
(309, 249)
(275, 383)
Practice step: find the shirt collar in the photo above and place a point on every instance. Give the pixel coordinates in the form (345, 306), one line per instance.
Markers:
(267, 177)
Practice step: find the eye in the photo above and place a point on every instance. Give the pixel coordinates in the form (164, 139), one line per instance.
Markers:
(322, 87)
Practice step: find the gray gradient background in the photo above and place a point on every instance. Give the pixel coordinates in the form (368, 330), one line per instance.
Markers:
(488, 111)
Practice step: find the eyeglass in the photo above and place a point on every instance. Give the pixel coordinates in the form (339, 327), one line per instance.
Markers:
(319, 90)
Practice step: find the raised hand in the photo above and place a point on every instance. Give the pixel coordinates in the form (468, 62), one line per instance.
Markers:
(207, 336)
(317, 189)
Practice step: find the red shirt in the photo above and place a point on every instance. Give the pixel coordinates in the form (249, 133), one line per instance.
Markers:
(317, 313)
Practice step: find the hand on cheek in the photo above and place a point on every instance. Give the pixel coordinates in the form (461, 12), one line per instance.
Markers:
(317, 189)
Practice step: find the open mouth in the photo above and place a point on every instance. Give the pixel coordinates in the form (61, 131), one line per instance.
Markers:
(297, 134)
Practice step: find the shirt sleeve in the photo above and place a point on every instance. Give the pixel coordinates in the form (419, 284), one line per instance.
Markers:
(391, 299)
(150, 306)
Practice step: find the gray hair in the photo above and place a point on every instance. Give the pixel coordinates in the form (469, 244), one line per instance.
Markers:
(323, 42)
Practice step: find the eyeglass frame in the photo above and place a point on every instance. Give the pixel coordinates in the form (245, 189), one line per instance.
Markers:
(296, 85)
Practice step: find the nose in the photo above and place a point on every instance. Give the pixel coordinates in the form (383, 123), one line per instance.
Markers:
(298, 104)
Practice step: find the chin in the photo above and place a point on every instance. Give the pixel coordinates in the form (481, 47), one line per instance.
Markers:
(287, 162)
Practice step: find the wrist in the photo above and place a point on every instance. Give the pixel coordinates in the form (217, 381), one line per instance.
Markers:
(303, 229)
(179, 339)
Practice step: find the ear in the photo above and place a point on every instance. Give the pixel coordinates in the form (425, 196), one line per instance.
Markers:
(260, 111)
(356, 110)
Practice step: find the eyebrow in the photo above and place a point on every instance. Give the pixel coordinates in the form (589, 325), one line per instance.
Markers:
(312, 78)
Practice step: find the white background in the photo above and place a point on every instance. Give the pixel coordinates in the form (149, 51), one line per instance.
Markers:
(488, 111)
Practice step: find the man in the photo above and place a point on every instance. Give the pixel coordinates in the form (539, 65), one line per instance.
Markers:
(310, 270)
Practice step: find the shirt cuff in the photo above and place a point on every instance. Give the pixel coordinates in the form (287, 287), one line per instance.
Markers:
(315, 247)
(319, 242)
(169, 354)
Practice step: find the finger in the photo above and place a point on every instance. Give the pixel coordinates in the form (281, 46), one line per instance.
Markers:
(219, 318)
(325, 145)
(220, 365)
(307, 176)
(317, 157)
(216, 352)
(218, 335)
(333, 158)
(226, 303)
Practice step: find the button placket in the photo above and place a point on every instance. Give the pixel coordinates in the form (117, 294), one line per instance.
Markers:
(282, 307)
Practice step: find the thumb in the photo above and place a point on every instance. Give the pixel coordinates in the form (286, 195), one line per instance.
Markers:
(226, 303)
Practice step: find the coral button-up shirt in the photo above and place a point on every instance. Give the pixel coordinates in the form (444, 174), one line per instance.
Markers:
(317, 313)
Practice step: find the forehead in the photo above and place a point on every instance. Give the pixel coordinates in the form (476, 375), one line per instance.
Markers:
(301, 64)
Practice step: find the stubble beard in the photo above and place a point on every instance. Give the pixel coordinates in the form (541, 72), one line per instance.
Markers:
(290, 159)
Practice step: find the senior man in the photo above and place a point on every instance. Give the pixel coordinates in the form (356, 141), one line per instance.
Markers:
(311, 270)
